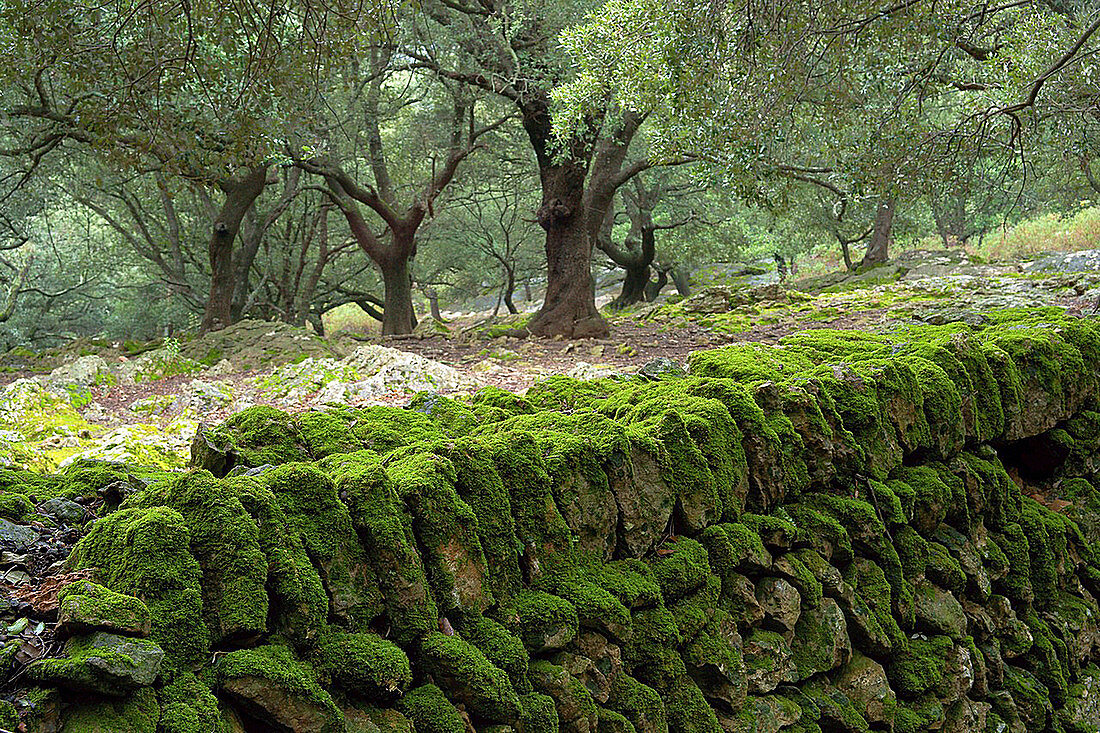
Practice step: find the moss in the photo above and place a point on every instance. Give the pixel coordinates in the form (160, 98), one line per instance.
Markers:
(543, 535)
(932, 498)
(823, 532)
(260, 436)
(734, 547)
(774, 531)
(445, 528)
(917, 717)
(597, 608)
(563, 394)
(800, 566)
(680, 567)
(687, 709)
(630, 581)
(1031, 698)
(385, 528)
(188, 706)
(496, 398)
(326, 433)
(871, 586)
(1016, 548)
(652, 649)
(1041, 548)
(539, 714)
(540, 617)
(499, 646)
(483, 688)
(9, 717)
(15, 507)
(639, 704)
(144, 553)
(749, 362)
(137, 713)
(912, 551)
(430, 711)
(383, 429)
(694, 612)
(276, 664)
(1048, 659)
(611, 722)
(95, 607)
(998, 494)
(944, 570)
(919, 667)
(363, 665)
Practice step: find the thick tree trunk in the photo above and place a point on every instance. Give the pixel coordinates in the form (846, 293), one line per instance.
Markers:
(681, 280)
(653, 289)
(433, 304)
(398, 316)
(240, 195)
(878, 249)
(634, 286)
(569, 308)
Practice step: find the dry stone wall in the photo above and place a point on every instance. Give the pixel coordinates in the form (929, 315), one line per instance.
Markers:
(843, 532)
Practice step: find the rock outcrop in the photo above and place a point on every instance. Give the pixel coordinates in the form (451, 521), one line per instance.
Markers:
(844, 532)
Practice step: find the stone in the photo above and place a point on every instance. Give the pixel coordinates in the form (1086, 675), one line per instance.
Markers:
(274, 688)
(17, 537)
(780, 602)
(743, 603)
(821, 640)
(222, 369)
(768, 714)
(939, 612)
(577, 712)
(966, 716)
(86, 371)
(662, 368)
(864, 682)
(105, 663)
(768, 662)
(584, 370)
(86, 607)
(63, 510)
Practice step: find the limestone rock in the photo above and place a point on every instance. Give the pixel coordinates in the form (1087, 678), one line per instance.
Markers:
(821, 640)
(17, 537)
(105, 663)
(768, 662)
(939, 612)
(86, 371)
(273, 687)
(864, 682)
(63, 510)
(780, 603)
(86, 607)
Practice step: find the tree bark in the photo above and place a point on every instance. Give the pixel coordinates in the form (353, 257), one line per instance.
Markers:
(878, 249)
(399, 317)
(509, 289)
(569, 308)
(240, 196)
(681, 280)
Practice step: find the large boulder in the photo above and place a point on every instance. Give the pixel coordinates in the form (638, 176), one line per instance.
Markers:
(105, 663)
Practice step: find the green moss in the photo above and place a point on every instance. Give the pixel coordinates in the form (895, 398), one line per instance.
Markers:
(823, 532)
(496, 398)
(9, 717)
(15, 507)
(630, 581)
(499, 646)
(917, 717)
(1014, 545)
(363, 665)
(872, 587)
(430, 711)
(482, 687)
(188, 706)
(734, 547)
(539, 714)
(261, 436)
(694, 612)
(96, 607)
(597, 608)
(680, 567)
(652, 649)
(919, 667)
(137, 713)
(1031, 697)
(379, 516)
(564, 394)
(774, 531)
(611, 722)
(639, 704)
(144, 553)
(1048, 659)
(688, 710)
(382, 429)
(278, 665)
(326, 433)
(540, 617)
(912, 551)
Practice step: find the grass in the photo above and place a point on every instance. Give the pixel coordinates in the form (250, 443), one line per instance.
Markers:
(1049, 233)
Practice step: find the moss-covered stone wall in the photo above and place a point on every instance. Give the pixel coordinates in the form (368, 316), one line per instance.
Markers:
(844, 532)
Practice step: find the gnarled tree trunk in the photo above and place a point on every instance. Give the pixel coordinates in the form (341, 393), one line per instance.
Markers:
(240, 195)
(878, 249)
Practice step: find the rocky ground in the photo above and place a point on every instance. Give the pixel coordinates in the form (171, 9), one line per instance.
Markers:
(139, 407)
(106, 401)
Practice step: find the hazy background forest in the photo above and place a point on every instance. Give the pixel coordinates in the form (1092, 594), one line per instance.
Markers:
(170, 166)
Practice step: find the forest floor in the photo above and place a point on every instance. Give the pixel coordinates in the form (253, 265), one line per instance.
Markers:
(108, 401)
